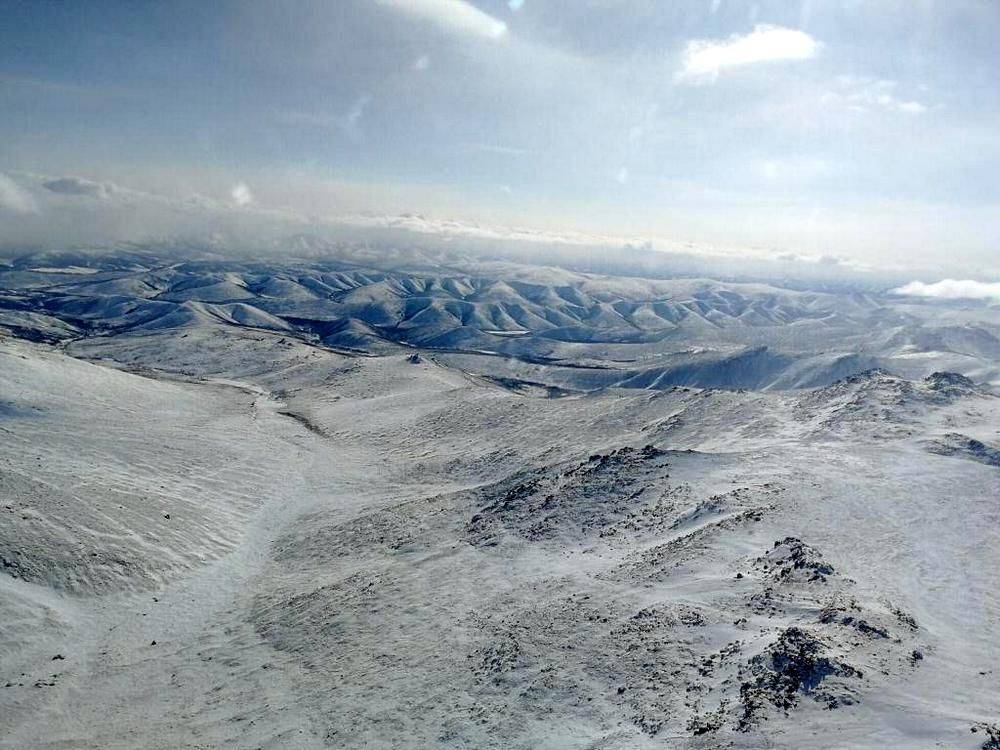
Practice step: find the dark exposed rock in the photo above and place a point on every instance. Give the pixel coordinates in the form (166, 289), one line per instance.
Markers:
(940, 381)
(905, 618)
(836, 615)
(795, 665)
(963, 446)
(992, 732)
(580, 499)
(792, 559)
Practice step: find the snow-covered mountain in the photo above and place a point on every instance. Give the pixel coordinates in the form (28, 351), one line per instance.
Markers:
(628, 332)
(322, 503)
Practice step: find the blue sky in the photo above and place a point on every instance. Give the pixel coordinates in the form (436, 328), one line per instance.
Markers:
(866, 130)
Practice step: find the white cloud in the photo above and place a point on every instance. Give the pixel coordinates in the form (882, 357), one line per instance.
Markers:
(705, 59)
(452, 15)
(356, 112)
(515, 5)
(422, 63)
(241, 194)
(869, 94)
(951, 289)
(14, 198)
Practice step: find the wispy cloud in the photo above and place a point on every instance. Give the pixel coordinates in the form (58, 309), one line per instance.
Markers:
(15, 199)
(497, 148)
(870, 94)
(356, 112)
(705, 59)
(348, 123)
(455, 16)
(951, 289)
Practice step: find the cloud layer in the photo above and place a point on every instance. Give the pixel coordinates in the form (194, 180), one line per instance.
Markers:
(52, 211)
(951, 289)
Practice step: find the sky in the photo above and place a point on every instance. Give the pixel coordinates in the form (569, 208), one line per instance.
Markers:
(868, 131)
